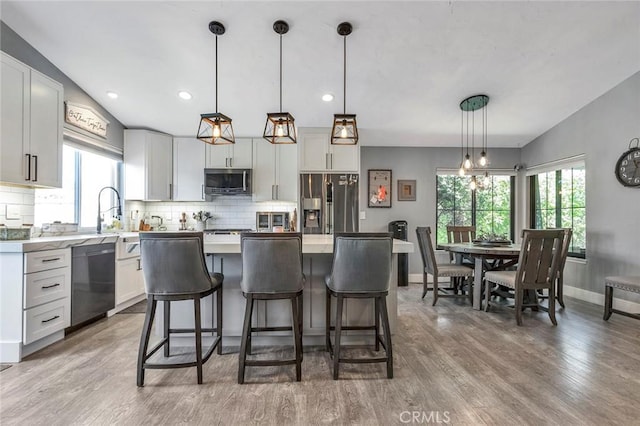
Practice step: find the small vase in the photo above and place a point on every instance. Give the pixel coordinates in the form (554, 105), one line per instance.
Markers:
(199, 226)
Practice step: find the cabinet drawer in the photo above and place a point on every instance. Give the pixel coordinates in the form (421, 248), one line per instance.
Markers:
(46, 286)
(46, 319)
(49, 259)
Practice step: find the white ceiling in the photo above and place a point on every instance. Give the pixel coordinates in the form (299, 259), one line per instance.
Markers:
(409, 63)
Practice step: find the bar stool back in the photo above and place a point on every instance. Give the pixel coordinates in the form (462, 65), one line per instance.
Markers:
(174, 268)
(271, 269)
(361, 269)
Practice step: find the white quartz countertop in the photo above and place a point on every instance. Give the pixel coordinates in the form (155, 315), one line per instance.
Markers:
(310, 244)
(63, 241)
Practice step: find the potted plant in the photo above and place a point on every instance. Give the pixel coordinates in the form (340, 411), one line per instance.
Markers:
(201, 218)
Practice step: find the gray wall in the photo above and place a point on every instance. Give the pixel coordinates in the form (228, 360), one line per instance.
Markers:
(601, 130)
(14, 45)
(419, 164)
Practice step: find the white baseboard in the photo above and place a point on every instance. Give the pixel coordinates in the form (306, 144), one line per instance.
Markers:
(598, 299)
(127, 304)
(415, 278)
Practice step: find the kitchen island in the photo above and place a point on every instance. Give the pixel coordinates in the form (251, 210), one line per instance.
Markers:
(223, 255)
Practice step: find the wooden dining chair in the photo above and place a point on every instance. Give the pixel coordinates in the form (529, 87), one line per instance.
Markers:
(430, 266)
(538, 263)
(460, 234)
(566, 243)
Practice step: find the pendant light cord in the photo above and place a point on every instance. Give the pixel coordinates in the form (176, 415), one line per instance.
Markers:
(216, 73)
(344, 76)
(280, 72)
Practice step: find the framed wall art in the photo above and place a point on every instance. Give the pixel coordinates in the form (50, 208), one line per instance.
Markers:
(406, 190)
(379, 187)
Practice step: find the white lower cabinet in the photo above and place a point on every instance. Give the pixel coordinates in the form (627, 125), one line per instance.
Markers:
(46, 319)
(129, 279)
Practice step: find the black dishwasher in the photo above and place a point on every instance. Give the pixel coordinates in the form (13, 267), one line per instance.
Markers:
(93, 281)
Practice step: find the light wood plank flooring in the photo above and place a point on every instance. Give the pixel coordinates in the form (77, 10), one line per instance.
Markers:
(451, 364)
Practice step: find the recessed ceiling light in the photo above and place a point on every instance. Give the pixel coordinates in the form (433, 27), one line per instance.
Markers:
(327, 97)
(184, 95)
(112, 95)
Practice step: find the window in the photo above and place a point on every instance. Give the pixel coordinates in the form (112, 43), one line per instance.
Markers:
(84, 173)
(558, 201)
(490, 208)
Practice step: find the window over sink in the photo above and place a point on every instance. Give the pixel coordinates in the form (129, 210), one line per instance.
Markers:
(84, 173)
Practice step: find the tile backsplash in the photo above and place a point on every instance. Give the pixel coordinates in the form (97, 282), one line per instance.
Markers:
(227, 212)
(16, 205)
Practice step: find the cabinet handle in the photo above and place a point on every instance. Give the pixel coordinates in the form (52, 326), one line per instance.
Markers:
(203, 191)
(277, 192)
(273, 196)
(35, 168)
(331, 158)
(244, 180)
(171, 191)
(51, 319)
(139, 267)
(50, 286)
(53, 259)
(28, 166)
(326, 161)
(231, 162)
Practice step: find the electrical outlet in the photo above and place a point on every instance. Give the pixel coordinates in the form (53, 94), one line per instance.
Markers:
(363, 215)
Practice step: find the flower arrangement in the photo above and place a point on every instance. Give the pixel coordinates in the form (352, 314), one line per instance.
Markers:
(202, 216)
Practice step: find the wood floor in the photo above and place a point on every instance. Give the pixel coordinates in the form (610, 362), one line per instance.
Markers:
(452, 364)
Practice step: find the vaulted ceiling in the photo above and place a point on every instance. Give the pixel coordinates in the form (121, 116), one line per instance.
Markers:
(409, 64)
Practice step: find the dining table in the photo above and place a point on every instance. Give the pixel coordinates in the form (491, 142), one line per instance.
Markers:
(487, 257)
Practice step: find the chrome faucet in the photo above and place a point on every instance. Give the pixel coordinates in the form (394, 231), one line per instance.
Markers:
(119, 207)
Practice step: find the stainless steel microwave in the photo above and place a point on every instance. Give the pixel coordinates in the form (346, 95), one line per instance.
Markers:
(227, 181)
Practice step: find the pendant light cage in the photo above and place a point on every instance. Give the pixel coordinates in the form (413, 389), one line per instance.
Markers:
(345, 128)
(216, 128)
(280, 127)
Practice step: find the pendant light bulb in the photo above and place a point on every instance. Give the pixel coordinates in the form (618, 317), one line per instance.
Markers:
(467, 162)
(472, 185)
(216, 130)
(280, 130)
(343, 133)
(486, 181)
(483, 158)
(461, 171)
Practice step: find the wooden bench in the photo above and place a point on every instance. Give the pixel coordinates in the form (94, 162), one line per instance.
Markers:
(623, 283)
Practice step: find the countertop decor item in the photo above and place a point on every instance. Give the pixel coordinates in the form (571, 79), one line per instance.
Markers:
(280, 126)
(345, 129)
(10, 234)
(216, 128)
(628, 165)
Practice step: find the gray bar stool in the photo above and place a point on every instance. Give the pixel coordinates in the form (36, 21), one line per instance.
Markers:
(271, 269)
(361, 269)
(174, 268)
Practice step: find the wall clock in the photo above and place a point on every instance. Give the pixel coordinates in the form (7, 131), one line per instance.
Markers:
(628, 165)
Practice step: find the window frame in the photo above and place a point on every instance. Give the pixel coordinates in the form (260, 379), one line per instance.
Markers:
(556, 168)
(512, 201)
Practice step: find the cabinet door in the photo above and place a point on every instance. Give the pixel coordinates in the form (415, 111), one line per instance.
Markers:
(159, 166)
(345, 158)
(14, 125)
(287, 173)
(188, 169)
(46, 130)
(242, 153)
(263, 173)
(135, 176)
(128, 279)
(217, 156)
(314, 155)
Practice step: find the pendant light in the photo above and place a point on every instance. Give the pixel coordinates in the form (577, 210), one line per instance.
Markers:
(215, 128)
(468, 108)
(280, 127)
(345, 129)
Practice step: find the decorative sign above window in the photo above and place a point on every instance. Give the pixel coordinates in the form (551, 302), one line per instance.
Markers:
(85, 118)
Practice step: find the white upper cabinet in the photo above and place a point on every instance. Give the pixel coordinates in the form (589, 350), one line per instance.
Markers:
(275, 171)
(233, 156)
(316, 154)
(188, 169)
(148, 165)
(31, 126)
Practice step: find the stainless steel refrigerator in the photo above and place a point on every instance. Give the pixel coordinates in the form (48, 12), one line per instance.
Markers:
(329, 202)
